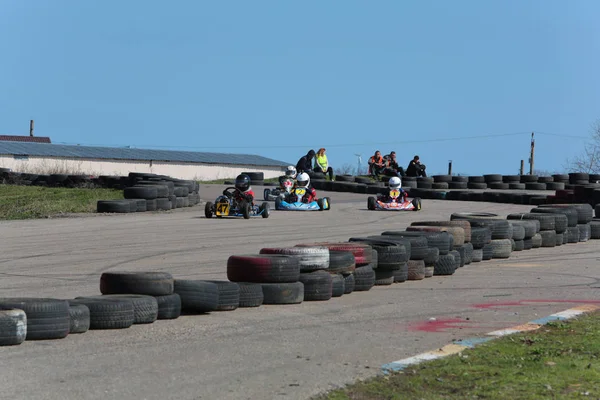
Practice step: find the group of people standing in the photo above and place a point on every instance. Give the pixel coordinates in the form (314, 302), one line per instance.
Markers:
(388, 166)
(305, 163)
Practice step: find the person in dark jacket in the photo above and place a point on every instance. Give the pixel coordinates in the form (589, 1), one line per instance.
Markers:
(392, 165)
(305, 162)
(415, 168)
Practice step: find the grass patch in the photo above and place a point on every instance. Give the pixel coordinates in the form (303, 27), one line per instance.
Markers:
(26, 202)
(558, 361)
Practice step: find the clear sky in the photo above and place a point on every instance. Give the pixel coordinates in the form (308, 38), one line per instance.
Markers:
(277, 78)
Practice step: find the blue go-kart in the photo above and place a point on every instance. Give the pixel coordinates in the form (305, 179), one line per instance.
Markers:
(227, 206)
(293, 202)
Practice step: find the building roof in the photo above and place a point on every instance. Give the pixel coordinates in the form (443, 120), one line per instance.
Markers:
(29, 139)
(112, 153)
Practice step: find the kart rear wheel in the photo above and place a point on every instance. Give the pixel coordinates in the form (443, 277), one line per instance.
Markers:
(265, 208)
(371, 203)
(320, 204)
(278, 203)
(246, 209)
(327, 203)
(417, 203)
(266, 194)
(208, 210)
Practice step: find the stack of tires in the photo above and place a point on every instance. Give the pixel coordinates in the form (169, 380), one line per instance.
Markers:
(256, 178)
(389, 260)
(149, 192)
(275, 276)
(363, 273)
(552, 226)
(500, 245)
(585, 214)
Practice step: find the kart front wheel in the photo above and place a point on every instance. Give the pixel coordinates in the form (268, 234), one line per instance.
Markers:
(265, 210)
(208, 210)
(266, 194)
(278, 203)
(417, 203)
(246, 209)
(371, 203)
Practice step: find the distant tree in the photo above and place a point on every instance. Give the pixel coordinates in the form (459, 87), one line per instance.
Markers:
(345, 169)
(589, 161)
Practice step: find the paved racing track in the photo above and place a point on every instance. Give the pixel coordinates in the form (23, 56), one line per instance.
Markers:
(270, 352)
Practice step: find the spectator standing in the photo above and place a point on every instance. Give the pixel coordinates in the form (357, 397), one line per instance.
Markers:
(305, 162)
(415, 168)
(322, 165)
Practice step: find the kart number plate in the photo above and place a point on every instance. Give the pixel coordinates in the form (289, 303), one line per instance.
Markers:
(300, 192)
(222, 209)
(394, 193)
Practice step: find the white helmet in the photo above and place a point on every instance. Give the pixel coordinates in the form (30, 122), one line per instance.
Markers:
(290, 172)
(395, 182)
(303, 179)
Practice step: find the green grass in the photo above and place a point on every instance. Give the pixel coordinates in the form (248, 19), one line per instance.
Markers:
(26, 202)
(558, 361)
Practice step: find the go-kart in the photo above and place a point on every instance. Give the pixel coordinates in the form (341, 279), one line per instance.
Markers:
(393, 202)
(227, 206)
(285, 187)
(293, 202)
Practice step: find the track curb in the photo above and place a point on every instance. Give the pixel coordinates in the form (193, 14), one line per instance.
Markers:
(460, 345)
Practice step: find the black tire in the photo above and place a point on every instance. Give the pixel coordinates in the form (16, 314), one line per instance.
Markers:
(148, 283)
(13, 326)
(594, 229)
(46, 318)
(283, 293)
(309, 258)
(559, 239)
(547, 222)
(79, 318)
(197, 296)
(401, 274)
(432, 256)
(488, 252)
(278, 203)
(480, 236)
(462, 254)
(570, 213)
(108, 313)
(169, 306)
(113, 206)
(468, 253)
(337, 285)
(445, 265)
(348, 283)
(457, 259)
(208, 209)
(418, 243)
(530, 227)
(229, 295)
(501, 248)
(265, 209)
(163, 203)
(341, 262)
(317, 285)
(417, 203)
(371, 201)
(477, 255)
(145, 307)
(263, 268)
(251, 294)
(245, 208)
(384, 277)
(536, 240)
(364, 278)
(140, 192)
(266, 194)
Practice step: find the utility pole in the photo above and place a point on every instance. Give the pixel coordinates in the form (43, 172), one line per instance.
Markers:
(522, 169)
(31, 127)
(531, 155)
(450, 167)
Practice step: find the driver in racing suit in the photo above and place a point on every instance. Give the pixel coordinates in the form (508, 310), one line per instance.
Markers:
(303, 181)
(290, 173)
(394, 183)
(243, 190)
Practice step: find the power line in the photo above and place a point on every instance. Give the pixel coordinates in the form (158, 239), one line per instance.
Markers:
(561, 135)
(444, 139)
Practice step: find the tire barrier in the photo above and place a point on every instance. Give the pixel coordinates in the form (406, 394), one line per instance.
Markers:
(304, 272)
(150, 192)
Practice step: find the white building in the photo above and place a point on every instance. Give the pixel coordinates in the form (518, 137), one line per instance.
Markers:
(46, 158)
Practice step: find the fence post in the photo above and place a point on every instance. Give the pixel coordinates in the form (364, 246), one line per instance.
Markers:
(522, 167)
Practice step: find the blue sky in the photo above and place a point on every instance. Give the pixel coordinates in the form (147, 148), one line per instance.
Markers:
(277, 78)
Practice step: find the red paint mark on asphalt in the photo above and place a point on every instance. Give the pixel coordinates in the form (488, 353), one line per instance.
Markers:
(527, 302)
(437, 325)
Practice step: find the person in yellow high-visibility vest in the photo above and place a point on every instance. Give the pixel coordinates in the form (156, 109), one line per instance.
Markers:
(322, 165)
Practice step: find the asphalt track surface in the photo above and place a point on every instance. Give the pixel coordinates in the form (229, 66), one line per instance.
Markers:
(270, 352)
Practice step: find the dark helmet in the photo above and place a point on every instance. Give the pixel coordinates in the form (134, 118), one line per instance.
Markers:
(242, 182)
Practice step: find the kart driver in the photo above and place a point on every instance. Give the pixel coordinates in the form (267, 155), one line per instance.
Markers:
(395, 183)
(303, 181)
(243, 190)
(290, 173)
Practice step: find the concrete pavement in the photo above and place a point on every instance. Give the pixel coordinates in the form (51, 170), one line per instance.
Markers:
(271, 352)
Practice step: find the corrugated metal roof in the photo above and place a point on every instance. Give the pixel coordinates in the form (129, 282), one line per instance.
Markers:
(70, 151)
(15, 138)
